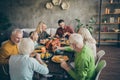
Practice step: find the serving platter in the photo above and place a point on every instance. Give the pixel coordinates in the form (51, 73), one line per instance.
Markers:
(58, 58)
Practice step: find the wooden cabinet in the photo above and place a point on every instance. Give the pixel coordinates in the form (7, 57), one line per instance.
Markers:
(108, 22)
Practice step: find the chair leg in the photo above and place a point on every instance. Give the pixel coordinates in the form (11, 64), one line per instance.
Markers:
(4, 72)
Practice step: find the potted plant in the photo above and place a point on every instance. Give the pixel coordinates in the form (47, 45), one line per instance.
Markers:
(78, 25)
(89, 25)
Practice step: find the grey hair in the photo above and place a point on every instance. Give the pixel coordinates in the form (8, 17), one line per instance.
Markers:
(86, 35)
(76, 38)
(17, 31)
(26, 46)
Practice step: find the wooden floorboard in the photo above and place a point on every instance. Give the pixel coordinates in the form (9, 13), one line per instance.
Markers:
(112, 56)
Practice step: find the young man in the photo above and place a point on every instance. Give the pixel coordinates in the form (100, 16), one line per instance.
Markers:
(63, 30)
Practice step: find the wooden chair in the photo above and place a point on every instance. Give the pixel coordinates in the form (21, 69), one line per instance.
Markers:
(4, 72)
(101, 65)
(100, 54)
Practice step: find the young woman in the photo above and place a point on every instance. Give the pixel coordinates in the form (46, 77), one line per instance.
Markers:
(41, 30)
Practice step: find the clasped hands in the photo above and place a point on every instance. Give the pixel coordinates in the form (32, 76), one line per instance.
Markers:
(66, 33)
(37, 56)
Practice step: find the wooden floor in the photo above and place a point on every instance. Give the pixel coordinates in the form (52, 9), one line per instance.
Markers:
(112, 56)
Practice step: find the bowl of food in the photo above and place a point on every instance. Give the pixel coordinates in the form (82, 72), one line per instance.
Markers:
(58, 51)
(116, 30)
(45, 55)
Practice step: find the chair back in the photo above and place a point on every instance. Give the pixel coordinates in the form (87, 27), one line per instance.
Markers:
(4, 42)
(100, 54)
(101, 65)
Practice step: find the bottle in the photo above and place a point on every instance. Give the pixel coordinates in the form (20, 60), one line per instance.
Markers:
(105, 29)
(118, 19)
(106, 10)
(111, 19)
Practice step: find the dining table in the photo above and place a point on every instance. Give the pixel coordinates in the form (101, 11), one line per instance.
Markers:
(56, 72)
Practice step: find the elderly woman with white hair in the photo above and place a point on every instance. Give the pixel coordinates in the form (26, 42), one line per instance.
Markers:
(84, 59)
(22, 66)
(88, 39)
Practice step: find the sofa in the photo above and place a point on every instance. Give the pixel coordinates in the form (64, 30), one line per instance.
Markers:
(26, 31)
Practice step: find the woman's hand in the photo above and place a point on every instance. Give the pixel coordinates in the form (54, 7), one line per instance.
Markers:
(38, 56)
(39, 59)
(42, 42)
(33, 54)
(56, 36)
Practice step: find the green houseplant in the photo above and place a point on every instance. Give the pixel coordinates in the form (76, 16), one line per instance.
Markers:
(89, 25)
(78, 25)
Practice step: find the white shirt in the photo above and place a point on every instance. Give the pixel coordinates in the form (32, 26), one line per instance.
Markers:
(93, 47)
(22, 67)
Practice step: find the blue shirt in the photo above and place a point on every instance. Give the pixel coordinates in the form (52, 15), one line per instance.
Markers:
(22, 67)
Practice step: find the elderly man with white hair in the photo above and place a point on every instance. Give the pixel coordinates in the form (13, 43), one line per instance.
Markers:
(84, 59)
(22, 66)
(10, 47)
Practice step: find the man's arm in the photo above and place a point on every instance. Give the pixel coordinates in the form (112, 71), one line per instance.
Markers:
(65, 66)
(70, 29)
(4, 56)
(80, 71)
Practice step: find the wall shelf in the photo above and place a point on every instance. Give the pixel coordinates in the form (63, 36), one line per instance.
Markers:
(108, 23)
(109, 41)
(108, 3)
(108, 19)
(109, 32)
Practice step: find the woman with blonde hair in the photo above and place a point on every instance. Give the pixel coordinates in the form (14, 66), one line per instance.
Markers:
(88, 39)
(41, 30)
(39, 27)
